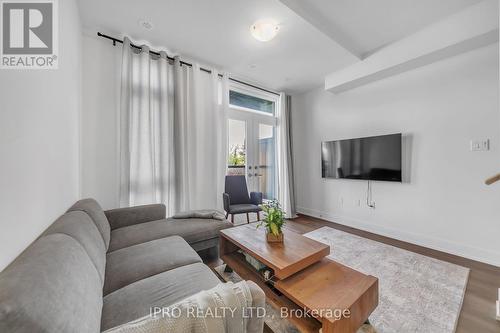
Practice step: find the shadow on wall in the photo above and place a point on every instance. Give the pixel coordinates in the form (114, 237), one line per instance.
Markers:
(406, 157)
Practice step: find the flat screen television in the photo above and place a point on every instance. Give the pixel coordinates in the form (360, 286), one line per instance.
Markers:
(370, 158)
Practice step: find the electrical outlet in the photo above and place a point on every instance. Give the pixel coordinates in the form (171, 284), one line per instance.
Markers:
(480, 145)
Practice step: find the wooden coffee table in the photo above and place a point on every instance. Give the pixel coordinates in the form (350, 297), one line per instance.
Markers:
(304, 279)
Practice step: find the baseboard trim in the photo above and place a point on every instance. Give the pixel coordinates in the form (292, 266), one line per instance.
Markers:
(477, 254)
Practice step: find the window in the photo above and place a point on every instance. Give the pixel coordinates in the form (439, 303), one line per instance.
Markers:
(236, 159)
(251, 102)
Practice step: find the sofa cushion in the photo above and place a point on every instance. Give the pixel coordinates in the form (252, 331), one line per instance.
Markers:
(123, 217)
(136, 300)
(140, 261)
(192, 230)
(53, 286)
(94, 210)
(80, 226)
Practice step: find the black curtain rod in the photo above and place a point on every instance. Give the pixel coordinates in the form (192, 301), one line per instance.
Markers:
(116, 40)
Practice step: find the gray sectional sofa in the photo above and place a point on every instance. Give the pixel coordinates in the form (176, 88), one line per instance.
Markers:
(92, 270)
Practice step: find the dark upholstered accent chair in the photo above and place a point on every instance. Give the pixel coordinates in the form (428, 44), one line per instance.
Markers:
(237, 200)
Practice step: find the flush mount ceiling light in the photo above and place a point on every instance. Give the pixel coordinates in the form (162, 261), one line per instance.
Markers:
(146, 24)
(264, 30)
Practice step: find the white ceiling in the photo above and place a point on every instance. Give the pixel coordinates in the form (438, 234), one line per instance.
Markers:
(363, 26)
(317, 37)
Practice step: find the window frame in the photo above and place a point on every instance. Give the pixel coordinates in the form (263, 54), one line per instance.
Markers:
(252, 117)
(254, 92)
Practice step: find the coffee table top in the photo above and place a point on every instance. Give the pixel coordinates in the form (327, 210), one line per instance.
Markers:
(294, 254)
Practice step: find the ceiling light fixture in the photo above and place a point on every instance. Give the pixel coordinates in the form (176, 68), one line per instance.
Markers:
(264, 30)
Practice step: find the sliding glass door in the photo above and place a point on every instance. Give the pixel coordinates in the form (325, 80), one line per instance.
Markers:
(252, 141)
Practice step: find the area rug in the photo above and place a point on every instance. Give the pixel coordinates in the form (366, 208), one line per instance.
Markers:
(416, 293)
(273, 319)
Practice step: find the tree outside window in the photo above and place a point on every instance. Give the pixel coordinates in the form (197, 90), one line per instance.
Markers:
(236, 155)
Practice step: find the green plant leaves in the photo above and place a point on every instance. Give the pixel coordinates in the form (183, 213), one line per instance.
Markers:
(274, 217)
(274, 229)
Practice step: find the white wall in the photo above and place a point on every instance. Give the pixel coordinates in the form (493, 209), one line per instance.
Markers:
(101, 96)
(440, 107)
(39, 146)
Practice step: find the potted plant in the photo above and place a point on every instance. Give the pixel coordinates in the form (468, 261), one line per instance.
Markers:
(274, 220)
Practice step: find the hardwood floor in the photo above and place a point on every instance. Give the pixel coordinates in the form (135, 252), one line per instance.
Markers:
(478, 310)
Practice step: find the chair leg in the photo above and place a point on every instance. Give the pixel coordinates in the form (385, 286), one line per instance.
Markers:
(258, 216)
(227, 214)
(232, 218)
(248, 218)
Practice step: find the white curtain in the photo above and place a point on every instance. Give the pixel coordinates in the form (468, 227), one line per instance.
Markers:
(284, 158)
(201, 106)
(173, 122)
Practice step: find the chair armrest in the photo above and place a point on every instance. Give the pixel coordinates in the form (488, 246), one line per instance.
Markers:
(227, 201)
(256, 198)
(255, 323)
(123, 217)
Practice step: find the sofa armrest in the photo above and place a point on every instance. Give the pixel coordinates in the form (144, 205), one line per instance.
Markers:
(256, 198)
(256, 324)
(123, 217)
(227, 201)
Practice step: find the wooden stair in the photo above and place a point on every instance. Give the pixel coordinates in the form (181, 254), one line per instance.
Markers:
(492, 179)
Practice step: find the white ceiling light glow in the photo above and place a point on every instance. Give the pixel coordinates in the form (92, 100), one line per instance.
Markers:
(264, 30)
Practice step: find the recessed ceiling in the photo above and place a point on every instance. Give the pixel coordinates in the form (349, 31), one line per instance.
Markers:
(316, 37)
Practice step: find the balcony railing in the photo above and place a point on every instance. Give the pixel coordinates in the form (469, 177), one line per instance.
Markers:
(235, 170)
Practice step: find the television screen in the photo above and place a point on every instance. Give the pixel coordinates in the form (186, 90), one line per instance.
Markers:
(370, 158)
